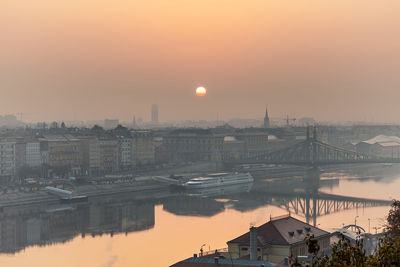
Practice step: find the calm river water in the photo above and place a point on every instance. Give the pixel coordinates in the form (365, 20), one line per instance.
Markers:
(161, 228)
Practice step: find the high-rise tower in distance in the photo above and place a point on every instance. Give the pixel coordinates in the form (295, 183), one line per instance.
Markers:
(266, 119)
(154, 113)
(134, 124)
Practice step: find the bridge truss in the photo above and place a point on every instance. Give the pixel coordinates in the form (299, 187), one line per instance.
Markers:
(313, 152)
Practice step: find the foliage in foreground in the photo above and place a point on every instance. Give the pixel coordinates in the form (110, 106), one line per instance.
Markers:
(348, 255)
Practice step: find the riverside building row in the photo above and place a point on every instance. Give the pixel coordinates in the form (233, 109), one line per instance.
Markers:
(93, 152)
(66, 154)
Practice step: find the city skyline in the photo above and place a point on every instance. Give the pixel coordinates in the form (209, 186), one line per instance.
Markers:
(71, 60)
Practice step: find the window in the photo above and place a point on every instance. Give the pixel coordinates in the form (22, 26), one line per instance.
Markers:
(302, 251)
(244, 249)
(294, 252)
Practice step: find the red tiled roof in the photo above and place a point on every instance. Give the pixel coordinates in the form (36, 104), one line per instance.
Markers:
(278, 232)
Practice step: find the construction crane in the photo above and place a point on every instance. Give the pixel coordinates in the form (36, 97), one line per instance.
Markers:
(289, 120)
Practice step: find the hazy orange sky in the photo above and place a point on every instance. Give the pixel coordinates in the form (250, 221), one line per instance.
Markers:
(90, 59)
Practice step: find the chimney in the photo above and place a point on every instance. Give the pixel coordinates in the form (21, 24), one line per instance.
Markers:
(253, 243)
(216, 262)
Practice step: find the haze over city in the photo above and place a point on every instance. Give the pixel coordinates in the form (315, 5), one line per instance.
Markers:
(199, 133)
(331, 60)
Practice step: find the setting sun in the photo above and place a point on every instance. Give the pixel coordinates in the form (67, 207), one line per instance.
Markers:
(201, 91)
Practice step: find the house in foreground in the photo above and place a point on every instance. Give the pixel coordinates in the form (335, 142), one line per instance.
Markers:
(267, 245)
(277, 239)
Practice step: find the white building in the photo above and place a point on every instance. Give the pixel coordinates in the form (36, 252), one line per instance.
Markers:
(32, 154)
(125, 152)
(7, 158)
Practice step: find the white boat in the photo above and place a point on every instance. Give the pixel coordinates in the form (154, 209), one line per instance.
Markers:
(218, 179)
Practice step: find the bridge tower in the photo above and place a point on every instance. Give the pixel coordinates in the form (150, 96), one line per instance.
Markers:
(311, 146)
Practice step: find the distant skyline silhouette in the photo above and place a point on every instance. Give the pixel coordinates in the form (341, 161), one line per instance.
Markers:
(88, 60)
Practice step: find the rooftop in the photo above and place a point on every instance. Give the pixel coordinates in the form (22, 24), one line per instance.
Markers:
(281, 231)
(222, 262)
(190, 132)
(382, 139)
(59, 138)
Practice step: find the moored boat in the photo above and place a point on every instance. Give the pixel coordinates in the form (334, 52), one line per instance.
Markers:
(218, 179)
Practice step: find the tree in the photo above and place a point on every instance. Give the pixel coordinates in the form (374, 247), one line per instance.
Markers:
(393, 220)
(388, 253)
(313, 246)
(343, 254)
(346, 254)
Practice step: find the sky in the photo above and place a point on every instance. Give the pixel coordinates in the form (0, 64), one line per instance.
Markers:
(93, 59)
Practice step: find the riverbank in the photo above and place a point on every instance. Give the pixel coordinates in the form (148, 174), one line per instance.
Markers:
(90, 190)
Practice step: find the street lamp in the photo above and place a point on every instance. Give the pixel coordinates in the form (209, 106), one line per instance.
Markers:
(355, 220)
(369, 225)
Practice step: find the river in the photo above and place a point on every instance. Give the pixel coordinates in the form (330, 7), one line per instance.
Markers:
(161, 228)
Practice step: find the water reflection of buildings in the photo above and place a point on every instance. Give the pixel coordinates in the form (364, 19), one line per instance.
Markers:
(201, 202)
(300, 196)
(44, 224)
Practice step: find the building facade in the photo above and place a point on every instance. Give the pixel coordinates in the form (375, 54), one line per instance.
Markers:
(20, 154)
(62, 154)
(32, 154)
(108, 154)
(94, 157)
(143, 152)
(186, 145)
(7, 158)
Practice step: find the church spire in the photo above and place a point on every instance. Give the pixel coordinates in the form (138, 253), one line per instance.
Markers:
(266, 119)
